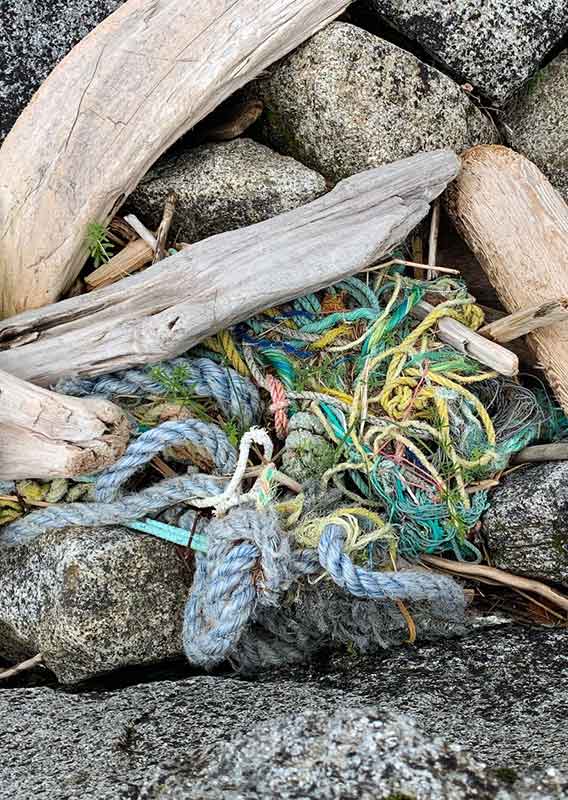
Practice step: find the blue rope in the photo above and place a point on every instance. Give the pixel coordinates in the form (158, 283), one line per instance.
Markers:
(236, 396)
(143, 449)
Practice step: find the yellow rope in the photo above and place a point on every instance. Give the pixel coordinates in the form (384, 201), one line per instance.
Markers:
(329, 336)
(230, 351)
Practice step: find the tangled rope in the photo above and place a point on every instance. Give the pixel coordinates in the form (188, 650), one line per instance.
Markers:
(235, 395)
(250, 565)
(372, 407)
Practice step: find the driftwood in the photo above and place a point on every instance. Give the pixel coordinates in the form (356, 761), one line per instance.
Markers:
(48, 435)
(470, 343)
(134, 256)
(517, 226)
(125, 93)
(537, 453)
(520, 323)
(189, 296)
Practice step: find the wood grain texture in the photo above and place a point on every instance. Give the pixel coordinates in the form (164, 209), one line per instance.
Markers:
(517, 226)
(219, 281)
(120, 98)
(47, 435)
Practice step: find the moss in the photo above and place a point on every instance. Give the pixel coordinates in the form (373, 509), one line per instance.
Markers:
(506, 775)
(400, 796)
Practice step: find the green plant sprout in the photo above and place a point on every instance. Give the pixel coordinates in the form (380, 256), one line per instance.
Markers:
(99, 245)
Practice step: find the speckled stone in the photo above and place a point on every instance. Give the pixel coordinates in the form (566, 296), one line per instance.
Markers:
(536, 122)
(526, 526)
(500, 694)
(347, 101)
(34, 37)
(224, 186)
(352, 754)
(91, 601)
(494, 45)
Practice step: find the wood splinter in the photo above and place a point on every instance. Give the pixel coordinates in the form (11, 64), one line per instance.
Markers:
(133, 257)
(530, 319)
(164, 227)
(47, 435)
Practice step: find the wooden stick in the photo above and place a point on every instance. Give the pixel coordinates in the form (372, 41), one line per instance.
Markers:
(520, 346)
(125, 93)
(528, 319)
(498, 575)
(557, 451)
(134, 256)
(517, 226)
(164, 228)
(47, 435)
(187, 297)
(142, 231)
(470, 343)
(25, 665)
(433, 239)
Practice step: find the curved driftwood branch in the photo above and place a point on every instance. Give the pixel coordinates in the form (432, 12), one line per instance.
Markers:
(517, 226)
(47, 435)
(124, 94)
(219, 281)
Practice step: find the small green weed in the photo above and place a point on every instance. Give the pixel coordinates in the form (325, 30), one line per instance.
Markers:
(100, 246)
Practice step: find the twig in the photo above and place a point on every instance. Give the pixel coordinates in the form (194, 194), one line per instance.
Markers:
(164, 227)
(25, 665)
(142, 231)
(415, 264)
(500, 576)
(433, 240)
(280, 477)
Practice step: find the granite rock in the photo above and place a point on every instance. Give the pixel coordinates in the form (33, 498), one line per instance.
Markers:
(91, 601)
(34, 36)
(536, 122)
(526, 526)
(493, 45)
(499, 694)
(352, 754)
(223, 186)
(346, 101)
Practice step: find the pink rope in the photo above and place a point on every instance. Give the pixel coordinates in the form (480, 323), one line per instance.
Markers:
(279, 405)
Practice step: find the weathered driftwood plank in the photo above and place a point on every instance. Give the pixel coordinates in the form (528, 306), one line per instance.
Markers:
(517, 226)
(183, 299)
(511, 326)
(47, 435)
(124, 94)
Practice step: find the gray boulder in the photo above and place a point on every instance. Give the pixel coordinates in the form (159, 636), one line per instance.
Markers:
(91, 601)
(34, 36)
(346, 101)
(352, 754)
(537, 119)
(225, 186)
(499, 694)
(493, 45)
(526, 526)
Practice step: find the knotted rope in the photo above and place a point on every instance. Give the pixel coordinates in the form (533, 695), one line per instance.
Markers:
(250, 564)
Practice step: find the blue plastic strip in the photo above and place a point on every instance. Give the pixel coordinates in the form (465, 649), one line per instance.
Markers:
(197, 541)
